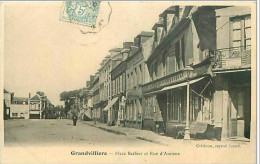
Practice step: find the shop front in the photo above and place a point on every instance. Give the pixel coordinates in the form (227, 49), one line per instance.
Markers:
(233, 100)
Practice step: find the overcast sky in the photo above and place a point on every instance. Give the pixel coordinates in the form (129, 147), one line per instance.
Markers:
(42, 53)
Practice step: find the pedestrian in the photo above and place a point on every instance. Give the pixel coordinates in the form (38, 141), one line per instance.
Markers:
(74, 118)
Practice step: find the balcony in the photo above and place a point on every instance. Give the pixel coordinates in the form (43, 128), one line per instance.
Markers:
(176, 77)
(232, 58)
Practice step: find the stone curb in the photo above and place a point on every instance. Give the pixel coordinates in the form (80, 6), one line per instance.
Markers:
(107, 129)
(122, 133)
(150, 140)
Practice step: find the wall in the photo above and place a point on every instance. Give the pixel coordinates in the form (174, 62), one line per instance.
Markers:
(7, 98)
(15, 108)
(223, 24)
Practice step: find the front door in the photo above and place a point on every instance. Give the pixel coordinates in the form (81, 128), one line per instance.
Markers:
(240, 112)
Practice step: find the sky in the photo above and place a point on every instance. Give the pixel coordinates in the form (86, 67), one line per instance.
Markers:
(42, 53)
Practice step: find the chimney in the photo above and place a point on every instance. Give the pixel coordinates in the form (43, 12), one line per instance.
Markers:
(87, 83)
(29, 95)
(127, 45)
(91, 78)
(137, 42)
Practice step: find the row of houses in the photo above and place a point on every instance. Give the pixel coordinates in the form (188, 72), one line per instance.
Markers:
(36, 107)
(195, 66)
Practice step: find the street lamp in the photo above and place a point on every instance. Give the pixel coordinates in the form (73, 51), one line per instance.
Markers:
(187, 126)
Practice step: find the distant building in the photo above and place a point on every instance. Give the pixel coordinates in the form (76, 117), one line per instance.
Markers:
(135, 78)
(20, 108)
(110, 61)
(94, 102)
(118, 89)
(7, 102)
(37, 106)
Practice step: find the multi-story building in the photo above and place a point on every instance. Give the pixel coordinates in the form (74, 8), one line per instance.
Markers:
(8, 96)
(20, 108)
(232, 72)
(97, 111)
(135, 72)
(179, 59)
(194, 68)
(37, 106)
(202, 74)
(118, 89)
(110, 61)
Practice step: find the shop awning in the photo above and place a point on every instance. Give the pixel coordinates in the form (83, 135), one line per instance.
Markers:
(110, 104)
(182, 84)
(176, 86)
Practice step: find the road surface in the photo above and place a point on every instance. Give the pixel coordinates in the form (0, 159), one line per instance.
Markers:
(62, 132)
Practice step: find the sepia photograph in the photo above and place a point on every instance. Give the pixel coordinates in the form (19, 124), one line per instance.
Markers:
(128, 82)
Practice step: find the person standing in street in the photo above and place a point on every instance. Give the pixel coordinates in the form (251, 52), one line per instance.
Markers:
(74, 118)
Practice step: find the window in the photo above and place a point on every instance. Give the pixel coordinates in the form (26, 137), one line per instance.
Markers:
(236, 33)
(136, 77)
(176, 105)
(247, 33)
(155, 70)
(128, 82)
(140, 74)
(132, 80)
(241, 32)
(177, 54)
(165, 65)
(15, 114)
(123, 82)
(183, 51)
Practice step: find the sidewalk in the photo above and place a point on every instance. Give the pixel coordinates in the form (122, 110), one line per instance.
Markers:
(132, 132)
(151, 136)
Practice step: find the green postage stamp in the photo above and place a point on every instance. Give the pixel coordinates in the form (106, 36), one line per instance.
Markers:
(81, 12)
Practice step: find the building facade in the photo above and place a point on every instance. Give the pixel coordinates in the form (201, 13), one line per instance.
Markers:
(135, 77)
(118, 77)
(232, 70)
(20, 108)
(194, 69)
(8, 96)
(110, 61)
(37, 106)
(179, 60)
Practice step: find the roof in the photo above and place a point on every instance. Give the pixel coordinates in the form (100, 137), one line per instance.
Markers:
(116, 50)
(125, 50)
(20, 100)
(170, 10)
(165, 43)
(158, 24)
(36, 97)
(146, 34)
(5, 91)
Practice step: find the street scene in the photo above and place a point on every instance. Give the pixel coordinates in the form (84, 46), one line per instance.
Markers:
(95, 75)
(62, 133)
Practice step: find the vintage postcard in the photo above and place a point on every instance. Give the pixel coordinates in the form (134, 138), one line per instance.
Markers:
(128, 82)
